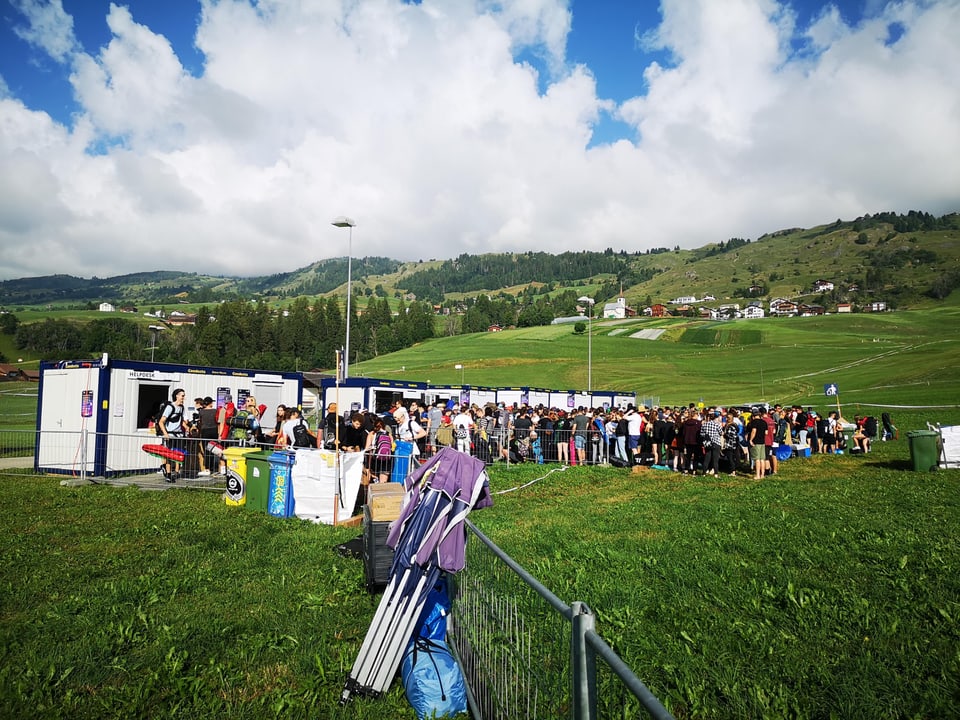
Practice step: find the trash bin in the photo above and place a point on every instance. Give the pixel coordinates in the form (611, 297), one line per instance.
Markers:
(235, 457)
(258, 479)
(280, 494)
(924, 450)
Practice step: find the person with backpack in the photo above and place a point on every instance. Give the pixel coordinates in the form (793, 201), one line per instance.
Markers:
(379, 451)
(172, 429)
(296, 432)
(245, 423)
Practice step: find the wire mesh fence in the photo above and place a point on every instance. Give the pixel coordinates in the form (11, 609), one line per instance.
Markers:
(526, 653)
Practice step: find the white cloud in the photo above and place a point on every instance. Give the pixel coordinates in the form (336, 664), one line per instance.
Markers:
(417, 120)
(48, 27)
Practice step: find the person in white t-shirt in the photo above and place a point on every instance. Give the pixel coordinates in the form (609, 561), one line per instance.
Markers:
(463, 429)
(408, 430)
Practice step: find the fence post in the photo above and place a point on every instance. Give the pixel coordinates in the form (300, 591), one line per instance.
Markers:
(583, 663)
(83, 454)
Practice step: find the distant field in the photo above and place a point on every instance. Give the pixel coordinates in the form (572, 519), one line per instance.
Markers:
(904, 358)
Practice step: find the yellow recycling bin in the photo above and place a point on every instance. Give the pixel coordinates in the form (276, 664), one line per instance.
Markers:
(236, 458)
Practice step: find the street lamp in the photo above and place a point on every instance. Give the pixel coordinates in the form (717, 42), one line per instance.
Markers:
(153, 346)
(345, 222)
(459, 367)
(589, 301)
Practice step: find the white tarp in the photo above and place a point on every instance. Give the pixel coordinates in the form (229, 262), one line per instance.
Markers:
(314, 479)
(951, 446)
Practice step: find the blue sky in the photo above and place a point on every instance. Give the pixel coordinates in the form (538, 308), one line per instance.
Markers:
(233, 131)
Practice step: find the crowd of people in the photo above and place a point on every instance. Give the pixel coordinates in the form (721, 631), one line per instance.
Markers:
(692, 439)
(709, 440)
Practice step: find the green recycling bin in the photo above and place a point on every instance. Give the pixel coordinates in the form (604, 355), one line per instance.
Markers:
(924, 449)
(258, 479)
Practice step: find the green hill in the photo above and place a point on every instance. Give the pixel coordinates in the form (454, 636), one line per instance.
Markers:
(902, 259)
(904, 358)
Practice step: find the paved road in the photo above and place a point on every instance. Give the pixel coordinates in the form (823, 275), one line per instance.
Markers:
(16, 462)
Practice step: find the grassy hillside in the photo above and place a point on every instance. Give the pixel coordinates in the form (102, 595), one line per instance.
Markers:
(904, 358)
(903, 255)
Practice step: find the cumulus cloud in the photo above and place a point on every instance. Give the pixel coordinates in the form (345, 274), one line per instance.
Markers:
(423, 122)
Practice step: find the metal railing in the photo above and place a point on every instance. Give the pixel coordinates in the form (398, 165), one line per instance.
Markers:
(526, 653)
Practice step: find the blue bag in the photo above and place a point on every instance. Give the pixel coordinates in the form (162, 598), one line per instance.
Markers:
(432, 679)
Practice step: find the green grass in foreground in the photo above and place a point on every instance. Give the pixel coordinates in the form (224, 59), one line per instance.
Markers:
(830, 590)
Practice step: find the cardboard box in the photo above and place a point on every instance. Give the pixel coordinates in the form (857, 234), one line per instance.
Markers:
(384, 501)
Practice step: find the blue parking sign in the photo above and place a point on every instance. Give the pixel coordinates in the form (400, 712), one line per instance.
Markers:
(831, 389)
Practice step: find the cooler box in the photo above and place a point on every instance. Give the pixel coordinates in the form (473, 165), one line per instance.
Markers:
(280, 494)
(235, 458)
(258, 479)
(402, 462)
(377, 556)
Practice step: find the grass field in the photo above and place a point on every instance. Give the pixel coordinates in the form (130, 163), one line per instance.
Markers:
(829, 590)
(900, 359)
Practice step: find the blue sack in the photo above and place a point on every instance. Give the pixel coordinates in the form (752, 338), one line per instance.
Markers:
(432, 680)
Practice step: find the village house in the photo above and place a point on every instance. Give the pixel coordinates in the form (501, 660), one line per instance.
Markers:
(821, 286)
(878, 306)
(178, 318)
(107, 307)
(685, 300)
(753, 311)
(782, 307)
(658, 310)
(844, 308)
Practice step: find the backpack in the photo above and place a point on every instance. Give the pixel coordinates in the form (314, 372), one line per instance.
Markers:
(176, 414)
(208, 423)
(870, 427)
(158, 413)
(461, 432)
(383, 444)
(239, 423)
(445, 435)
(302, 436)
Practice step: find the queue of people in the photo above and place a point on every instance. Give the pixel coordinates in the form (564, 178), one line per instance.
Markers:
(709, 440)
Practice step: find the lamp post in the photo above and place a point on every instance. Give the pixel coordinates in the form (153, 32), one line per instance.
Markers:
(345, 222)
(589, 302)
(153, 346)
(459, 367)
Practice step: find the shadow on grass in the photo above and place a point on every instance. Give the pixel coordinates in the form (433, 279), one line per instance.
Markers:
(891, 465)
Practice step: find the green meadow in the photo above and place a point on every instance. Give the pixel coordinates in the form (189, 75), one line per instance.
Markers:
(904, 358)
(830, 590)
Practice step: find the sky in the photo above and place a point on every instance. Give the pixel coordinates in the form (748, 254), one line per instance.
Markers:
(224, 136)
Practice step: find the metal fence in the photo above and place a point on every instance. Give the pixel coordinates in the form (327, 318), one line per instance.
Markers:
(552, 446)
(526, 653)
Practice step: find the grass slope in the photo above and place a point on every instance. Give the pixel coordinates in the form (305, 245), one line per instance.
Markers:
(903, 358)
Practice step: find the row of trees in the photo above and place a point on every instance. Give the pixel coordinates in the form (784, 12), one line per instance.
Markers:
(241, 334)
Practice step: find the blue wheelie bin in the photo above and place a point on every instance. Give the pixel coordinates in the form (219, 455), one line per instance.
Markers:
(280, 495)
